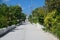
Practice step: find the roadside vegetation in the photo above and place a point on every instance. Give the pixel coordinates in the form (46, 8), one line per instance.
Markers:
(10, 15)
(49, 16)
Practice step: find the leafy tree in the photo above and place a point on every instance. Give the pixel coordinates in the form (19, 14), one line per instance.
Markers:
(9, 15)
(30, 18)
(23, 17)
(3, 21)
(14, 14)
(52, 4)
(38, 15)
(52, 22)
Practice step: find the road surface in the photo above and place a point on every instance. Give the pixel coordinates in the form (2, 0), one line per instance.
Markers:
(28, 31)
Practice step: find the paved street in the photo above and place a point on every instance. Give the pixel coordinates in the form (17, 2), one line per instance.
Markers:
(28, 31)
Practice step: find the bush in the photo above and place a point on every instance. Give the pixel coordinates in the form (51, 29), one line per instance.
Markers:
(38, 15)
(3, 22)
(10, 14)
(52, 22)
(41, 18)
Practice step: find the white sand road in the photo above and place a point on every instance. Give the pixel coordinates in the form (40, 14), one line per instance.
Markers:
(28, 32)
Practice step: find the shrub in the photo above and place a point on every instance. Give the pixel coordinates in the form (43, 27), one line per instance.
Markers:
(10, 14)
(52, 22)
(3, 22)
(41, 18)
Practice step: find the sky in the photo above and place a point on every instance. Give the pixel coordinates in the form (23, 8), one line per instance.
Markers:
(27, 5)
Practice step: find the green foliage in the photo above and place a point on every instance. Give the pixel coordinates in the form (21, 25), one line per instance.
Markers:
(38, 15)
(52, 22)
(52, 4)
(23, 17)
(9, 15)
(49, 16)
(3, 21)
(30, 18)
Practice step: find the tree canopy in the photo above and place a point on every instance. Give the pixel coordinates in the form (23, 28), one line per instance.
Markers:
(9, 15)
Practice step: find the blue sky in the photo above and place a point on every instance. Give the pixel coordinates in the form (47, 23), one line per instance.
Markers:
(27, 5)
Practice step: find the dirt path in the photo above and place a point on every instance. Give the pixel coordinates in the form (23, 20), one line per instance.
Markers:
(28, 32)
